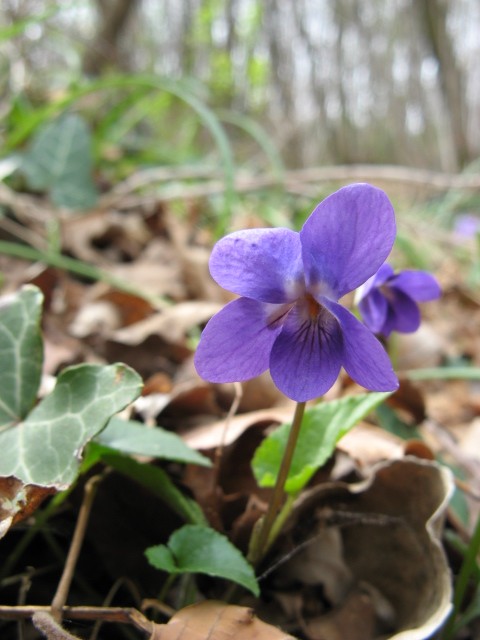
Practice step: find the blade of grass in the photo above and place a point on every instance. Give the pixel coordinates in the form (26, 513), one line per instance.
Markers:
(261, 137)
(445, 373)
(174, 87)
(79, 268)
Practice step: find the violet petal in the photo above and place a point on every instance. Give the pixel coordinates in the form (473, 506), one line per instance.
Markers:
(419, 285)
(346, 239)
(374, 310)
(305, 358)
(236, 343)
(262, 264)
(383, 274)
(403, 314)
(364, 358)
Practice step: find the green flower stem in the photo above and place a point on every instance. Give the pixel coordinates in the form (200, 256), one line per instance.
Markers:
(262, 541)
(466, 571)
(280, 520)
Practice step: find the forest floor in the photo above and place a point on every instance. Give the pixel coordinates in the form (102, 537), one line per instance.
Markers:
(345, 567)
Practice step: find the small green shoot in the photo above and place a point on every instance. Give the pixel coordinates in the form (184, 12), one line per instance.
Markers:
(197, 549)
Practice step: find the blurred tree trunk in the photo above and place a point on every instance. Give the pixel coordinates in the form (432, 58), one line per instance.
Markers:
(281, 53)
(326, 139)
(104, 50)
(346, 16)
(433, 18)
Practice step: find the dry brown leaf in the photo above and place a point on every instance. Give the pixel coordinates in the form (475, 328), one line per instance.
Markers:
(212, 435)
(405, 562)
(171, 324)
(390, 525)
(354, 620)
(156, 271)
(83, 235)
(368, 444)
(213, 620)
(194, 263)
(18, 501)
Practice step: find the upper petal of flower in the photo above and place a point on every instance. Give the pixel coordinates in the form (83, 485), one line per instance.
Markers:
(419, 285)
(262, 264)
(236, 343)
(305, 358)
(383, 274)
(363, 358)
(346, 239)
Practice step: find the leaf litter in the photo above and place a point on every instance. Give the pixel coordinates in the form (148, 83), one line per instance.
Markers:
(370, 524)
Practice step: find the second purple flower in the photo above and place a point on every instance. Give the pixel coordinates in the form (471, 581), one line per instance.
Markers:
(288, 318)
(388, 301)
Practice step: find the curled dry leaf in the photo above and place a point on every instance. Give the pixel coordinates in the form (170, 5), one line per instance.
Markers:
(125, 234)
(18, 501)
(213, 620)
(390, 526)
(218, 433)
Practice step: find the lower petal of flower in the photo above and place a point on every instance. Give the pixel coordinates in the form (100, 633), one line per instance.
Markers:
(306, 357)
(374, 310)
(364, 358)
(236, 343)
(403, 313)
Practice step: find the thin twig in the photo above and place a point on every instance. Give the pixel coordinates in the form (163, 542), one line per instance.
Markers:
(121, 582)
(121, 615)
(60, 597)
(48, 627)
(22, 598)
(231, 413)
(297, 181)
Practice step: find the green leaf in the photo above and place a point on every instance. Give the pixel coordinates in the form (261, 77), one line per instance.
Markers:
(60, 161)
(21, 353)
(129, 436)
(15, 29)
(322, 428)
(158, 482)
(45, 448)
(391, 422)
(197, 549)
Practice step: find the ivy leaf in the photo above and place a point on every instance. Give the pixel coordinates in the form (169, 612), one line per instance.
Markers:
(45, 449)
(60, 161)
(132, 437)
(198, 549)
(21, 353)
(322, 427)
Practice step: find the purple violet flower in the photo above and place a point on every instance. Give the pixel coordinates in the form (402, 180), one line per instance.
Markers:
(467, 225)
(288, 318)
(388, 301)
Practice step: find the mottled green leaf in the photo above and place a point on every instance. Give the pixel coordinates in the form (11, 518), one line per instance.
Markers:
(46, 448)
(60, 161)
(21, 353)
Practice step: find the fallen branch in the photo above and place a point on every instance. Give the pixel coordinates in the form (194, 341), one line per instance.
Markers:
(121, 615)
(302, 182)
